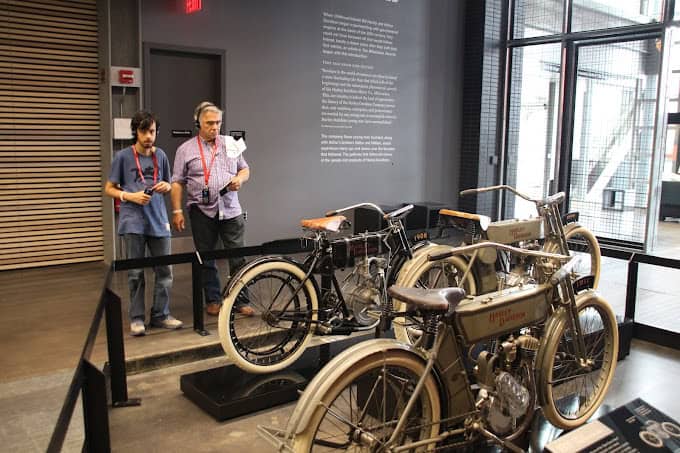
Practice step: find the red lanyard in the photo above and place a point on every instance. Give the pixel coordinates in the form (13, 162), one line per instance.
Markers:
(139, 167)
(207, 170)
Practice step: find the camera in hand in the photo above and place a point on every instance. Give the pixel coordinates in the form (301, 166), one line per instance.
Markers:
(148, 190)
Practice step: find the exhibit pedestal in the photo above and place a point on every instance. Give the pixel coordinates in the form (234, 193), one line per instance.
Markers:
(228, 392)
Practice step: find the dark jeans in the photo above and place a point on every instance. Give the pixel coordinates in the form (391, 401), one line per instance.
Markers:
(206, 232)
(136, 245)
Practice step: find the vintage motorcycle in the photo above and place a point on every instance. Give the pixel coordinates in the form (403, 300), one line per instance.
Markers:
(293, 300)
(556, 348)
(490, 269)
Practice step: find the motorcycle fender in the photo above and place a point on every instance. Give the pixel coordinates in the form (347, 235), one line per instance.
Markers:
(256, 262)
(422, 250)
(550, 334)
(420, 257)
(401, 258)
(335, 369)
(553, 245)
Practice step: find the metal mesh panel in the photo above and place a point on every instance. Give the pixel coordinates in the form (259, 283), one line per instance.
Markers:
(537, 18)
(613, 137)
(600, 14)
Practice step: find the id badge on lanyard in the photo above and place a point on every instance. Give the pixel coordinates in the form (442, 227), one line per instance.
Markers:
(205, 193)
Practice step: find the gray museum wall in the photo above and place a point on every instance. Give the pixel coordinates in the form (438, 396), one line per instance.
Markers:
(273, 91)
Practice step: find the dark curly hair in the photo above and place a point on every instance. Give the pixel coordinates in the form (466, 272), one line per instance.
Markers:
(143, 120)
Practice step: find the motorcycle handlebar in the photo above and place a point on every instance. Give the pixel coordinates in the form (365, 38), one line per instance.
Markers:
(354, 206)
(556, 198)
(493, 188)
(390, 215)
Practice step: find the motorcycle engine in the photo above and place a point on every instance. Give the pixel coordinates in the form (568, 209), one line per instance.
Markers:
(362, 287)
(511, 402)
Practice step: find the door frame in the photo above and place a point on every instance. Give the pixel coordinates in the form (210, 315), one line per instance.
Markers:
(220, 53)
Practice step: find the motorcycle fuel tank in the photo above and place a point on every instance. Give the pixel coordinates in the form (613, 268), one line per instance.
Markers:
(501, 312)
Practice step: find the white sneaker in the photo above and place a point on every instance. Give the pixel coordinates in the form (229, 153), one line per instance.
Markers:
(168, 323)
(137, 328)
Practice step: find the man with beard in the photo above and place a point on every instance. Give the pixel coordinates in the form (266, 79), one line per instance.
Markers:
(139, 178)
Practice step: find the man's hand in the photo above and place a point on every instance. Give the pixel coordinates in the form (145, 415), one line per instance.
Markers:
(162, 187)
(138, 197)
(178, 221)
(235, 184)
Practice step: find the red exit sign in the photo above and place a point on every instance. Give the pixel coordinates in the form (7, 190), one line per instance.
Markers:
(192, 6)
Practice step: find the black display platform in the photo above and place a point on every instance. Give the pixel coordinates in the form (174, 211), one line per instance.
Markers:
(228, 392)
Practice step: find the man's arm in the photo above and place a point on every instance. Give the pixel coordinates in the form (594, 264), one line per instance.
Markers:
(114, 191)
(237, 181)
(176, 201)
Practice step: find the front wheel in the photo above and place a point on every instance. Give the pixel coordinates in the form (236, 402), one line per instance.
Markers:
(583, 243)
(285, 307)
(570, 387)
(360, 410)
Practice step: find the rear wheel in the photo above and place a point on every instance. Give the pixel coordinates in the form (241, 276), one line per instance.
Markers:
(446, 273)
(278, 331)
(360, 410)
(570, 389)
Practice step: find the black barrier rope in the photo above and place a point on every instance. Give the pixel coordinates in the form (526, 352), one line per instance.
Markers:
(277, 247)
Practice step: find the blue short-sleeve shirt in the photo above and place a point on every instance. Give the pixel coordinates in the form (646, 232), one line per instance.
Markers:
(151, 219)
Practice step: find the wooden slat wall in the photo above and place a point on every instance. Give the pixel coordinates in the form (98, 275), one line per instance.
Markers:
(50, 165)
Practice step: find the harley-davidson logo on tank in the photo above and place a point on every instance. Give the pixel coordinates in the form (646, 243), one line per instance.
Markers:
(502, 317)
(514, 230)
(500, 312)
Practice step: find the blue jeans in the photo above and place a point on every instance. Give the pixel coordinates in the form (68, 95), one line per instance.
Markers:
(135, 245)
(206, 232)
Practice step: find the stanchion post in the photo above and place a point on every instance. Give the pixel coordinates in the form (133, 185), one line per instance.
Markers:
(197, 294)
(95, 411)
(116, 348)
(631, 288)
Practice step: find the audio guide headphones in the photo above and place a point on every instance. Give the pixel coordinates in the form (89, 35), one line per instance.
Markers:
(200, 108)
(143, 120)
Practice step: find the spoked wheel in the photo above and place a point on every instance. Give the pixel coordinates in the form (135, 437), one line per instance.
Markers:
(360, 410)
(570, 389)
(276, 334)
(582, 242)
(445, 273)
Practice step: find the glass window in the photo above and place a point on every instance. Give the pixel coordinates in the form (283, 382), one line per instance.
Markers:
(532, 126)
(537, 18)
(599, 14)
(657, 291)
(614, 123)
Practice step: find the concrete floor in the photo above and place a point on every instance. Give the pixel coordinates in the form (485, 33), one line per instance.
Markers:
(39, 356)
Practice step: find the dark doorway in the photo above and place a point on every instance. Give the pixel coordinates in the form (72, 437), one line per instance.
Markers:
(176, 79)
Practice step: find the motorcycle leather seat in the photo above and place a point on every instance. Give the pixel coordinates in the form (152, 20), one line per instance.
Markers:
(332, 223)
(483, 220)
(439, 299)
